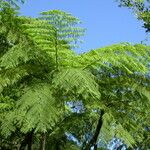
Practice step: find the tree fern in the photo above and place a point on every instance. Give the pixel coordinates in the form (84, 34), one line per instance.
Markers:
(37, 62)
(121, 100)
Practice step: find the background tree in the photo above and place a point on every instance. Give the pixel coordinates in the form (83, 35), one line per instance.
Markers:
(129, 90)
(141, 8)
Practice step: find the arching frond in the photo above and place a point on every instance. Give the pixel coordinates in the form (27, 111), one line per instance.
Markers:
(11, 76)
(111, 128)
(65, 26)
(78, 82)
(128, 58)
(43, 35)
(16, 55)
(36, 109)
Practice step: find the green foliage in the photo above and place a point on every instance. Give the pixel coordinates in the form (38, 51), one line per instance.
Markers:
(64, 27)
(116, 130)
(128, 58)
(6, 103)
(11, 76)
(13, 3)
(36, 109)
(77, 82)
(40, 75)
(140, 8)
(16, 55)
(120, 71)
(53, 36)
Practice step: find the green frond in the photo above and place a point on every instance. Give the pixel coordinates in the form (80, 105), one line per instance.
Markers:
(78, 82)
(6, 103)
(36, 109)
(18, 54)
(65, 25)
(128, 58)
(61, 15)
(143, 90)
(112, 129)
(11, 76)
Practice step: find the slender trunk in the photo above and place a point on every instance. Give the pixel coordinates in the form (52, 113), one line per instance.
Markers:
(93, 141)
(23, 144)
(58, 146)
(30, 139)
(43, 141)
(95, 147)
(27, 141)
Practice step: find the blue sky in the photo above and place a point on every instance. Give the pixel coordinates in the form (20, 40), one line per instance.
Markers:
(104, 21)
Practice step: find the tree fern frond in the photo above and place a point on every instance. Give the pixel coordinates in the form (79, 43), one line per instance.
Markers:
(11, 76)
(142, 90)
(65, 25)
(116, 130)
(6, 103)
(128, 58)
(78, 82)
(43, 34)
(36, 110)
(16, 55)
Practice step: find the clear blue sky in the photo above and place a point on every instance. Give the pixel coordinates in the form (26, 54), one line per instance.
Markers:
(105, 22)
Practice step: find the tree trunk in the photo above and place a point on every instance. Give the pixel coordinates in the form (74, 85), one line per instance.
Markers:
(23, 144)
(93, 141)
(30, 139)
(43, 141)
(95, 147)
(27, 141)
